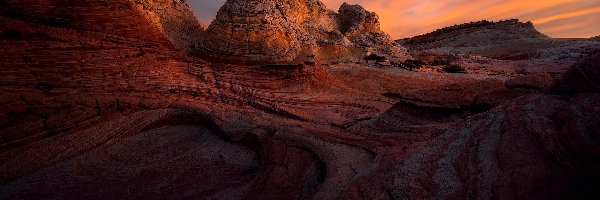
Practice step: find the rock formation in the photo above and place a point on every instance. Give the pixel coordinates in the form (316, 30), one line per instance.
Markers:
(95, 106)
(507, 40)
(492, 39)
(581, 78)
(278, 31)
(252, 32)
(164, 21)
(175, 19)
(362, 28)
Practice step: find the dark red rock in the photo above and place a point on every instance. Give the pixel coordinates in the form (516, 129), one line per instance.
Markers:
(539, 81)
(583, 77)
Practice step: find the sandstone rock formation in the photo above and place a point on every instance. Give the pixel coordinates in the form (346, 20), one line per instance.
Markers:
(175, 19)
(252, 32)
(508, 40)
(530, 141)
(581, 78)
(278, 31)
(362, 28)
(539, 81)
(486, 38)
(163, 21)
(106, 110)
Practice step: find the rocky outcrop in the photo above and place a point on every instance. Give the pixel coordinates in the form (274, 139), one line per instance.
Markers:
(103, 111)
(163, 21)
(362, 28)
(277, 31)
(253, 31)
(175, 19)
(502, 153)
(581, 78)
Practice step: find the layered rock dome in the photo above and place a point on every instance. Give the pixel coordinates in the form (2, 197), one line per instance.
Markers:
(286, 31)
(252, 31)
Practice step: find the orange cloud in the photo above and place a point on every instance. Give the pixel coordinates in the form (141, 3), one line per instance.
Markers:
(406, 18)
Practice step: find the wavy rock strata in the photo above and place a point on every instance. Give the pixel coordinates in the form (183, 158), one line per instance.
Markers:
(163, 21)
(97, 112)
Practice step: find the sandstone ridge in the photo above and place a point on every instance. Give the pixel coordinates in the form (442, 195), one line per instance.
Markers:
(164, 22)
(486, 38)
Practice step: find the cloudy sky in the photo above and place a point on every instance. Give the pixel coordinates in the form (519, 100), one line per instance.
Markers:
(406, 18)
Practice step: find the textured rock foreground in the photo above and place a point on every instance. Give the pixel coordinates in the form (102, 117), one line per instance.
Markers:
(105, 106)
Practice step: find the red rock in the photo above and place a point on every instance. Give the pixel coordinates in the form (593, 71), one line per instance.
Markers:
(283, 32)
(583, 77)
(540, 81)
(92, 109)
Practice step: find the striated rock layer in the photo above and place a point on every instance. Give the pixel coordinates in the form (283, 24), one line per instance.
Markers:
(252, 31)
(94, 113)
(287, 31)
(152, 21)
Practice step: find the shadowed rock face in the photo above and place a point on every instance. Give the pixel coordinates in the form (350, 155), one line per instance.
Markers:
(96, 112)
(282, 31)
(175, 19)
(583, 77)
(355, 20)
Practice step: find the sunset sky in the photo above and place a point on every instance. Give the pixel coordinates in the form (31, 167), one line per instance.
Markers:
(406, 18)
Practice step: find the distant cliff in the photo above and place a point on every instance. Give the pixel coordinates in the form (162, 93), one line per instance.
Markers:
(493, 39)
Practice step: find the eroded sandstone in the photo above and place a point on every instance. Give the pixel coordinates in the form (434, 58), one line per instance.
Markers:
(98, 111)
(279, 32)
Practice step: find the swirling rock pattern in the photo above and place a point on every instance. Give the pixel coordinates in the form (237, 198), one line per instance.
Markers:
(163, 22)
(97, 113)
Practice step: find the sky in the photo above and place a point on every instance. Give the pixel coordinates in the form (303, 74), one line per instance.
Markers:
(407, 18)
